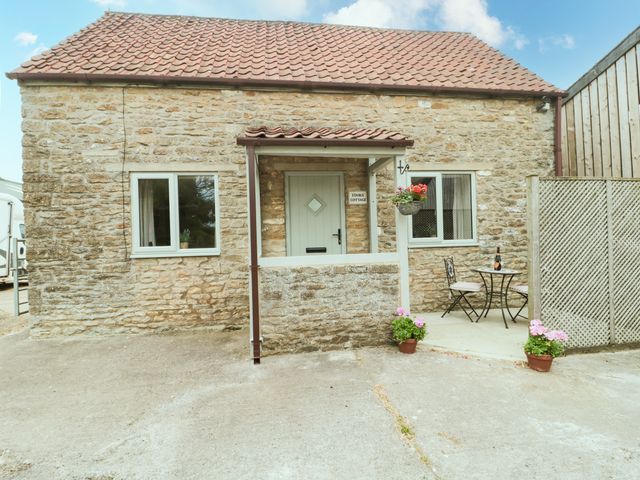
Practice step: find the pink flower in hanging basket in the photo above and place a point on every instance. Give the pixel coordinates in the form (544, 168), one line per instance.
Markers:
(412, 193)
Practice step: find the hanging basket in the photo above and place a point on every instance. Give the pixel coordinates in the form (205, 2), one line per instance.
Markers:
(409, 208)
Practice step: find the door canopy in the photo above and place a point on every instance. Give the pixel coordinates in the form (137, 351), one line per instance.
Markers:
(356, 137)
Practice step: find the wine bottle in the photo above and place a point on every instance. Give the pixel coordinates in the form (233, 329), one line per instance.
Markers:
(497, 262)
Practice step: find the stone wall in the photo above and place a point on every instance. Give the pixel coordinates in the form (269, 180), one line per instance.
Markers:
(77, 199)
(272, 199)
(323, 307)
(385, 188)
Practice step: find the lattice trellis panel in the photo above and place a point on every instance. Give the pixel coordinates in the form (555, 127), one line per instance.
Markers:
(589, 259)
(626, 260)
(574, 274)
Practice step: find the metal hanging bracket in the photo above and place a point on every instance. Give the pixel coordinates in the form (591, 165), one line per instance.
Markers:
(403, 168)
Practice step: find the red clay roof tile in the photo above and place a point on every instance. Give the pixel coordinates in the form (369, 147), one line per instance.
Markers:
(129, 46)
(324, 133)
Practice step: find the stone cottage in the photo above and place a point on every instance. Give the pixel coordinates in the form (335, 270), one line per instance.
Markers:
(190, 173)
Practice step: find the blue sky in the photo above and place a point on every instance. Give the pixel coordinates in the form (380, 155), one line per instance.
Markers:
(559, 40)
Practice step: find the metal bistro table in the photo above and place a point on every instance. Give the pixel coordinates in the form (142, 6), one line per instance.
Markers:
(506, 276)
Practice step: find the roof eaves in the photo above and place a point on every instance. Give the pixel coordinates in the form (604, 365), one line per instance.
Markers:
(295, 84)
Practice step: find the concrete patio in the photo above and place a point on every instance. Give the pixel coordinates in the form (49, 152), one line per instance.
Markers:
(487, 338)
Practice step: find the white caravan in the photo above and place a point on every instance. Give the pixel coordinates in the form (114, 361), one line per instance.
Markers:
(11, 226)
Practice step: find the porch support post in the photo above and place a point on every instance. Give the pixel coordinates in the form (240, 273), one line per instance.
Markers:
(373, 209)
(254, 290)
(533, 229)
(402, 244)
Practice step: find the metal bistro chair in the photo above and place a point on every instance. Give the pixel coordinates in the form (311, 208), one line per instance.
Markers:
(460, 290)
(523, 291)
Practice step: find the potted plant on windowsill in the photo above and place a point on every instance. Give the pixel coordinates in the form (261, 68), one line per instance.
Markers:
(408, 200)
(407, 331)
(543, 345)
(185, 236)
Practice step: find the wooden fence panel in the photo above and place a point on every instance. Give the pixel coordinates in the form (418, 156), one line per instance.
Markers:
(573, 260)
(578, 124)
(595, 129)
(603, 119)
(634, 111)
(571, 139)
(586, 133)
(626, 264)
(623, 114)
(564, 139)
(605, 136)
(584, 252)
(614, 122)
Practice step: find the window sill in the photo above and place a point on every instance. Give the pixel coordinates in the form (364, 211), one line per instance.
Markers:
(337, 259)
(195, 253)
(444, 245)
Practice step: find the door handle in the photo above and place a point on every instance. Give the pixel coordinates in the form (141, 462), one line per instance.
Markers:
(339, 235)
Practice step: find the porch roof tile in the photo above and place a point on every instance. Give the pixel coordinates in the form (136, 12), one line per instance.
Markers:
(325, 133)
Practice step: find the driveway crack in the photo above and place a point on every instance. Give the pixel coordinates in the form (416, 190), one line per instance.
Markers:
(405, 429)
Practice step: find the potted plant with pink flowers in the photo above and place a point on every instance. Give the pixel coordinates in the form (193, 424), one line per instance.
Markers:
(543, 345)
(407, 331)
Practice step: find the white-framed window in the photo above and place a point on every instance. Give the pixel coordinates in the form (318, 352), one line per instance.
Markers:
(175, 214)
(448, 215)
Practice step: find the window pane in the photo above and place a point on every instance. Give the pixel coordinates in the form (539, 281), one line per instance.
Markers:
(153, 201)
(456, 208)
(197, 211)
(425, 222)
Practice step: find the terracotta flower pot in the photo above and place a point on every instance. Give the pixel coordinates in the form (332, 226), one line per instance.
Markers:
(184, 245)
(539, 363)
(409, 208)
(408, 346)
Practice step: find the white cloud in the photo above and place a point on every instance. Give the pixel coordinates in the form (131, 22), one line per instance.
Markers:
(565, 41)
(288, 8)
(457, 15)
(381, 13)
(519, 41)
(270, 9)
(110, 3)
(26, 38)
(472, 16)
(38, 50)
(190, 7)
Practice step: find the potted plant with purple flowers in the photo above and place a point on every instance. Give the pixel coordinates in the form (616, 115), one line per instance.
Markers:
(407, 331)
(543, 345)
